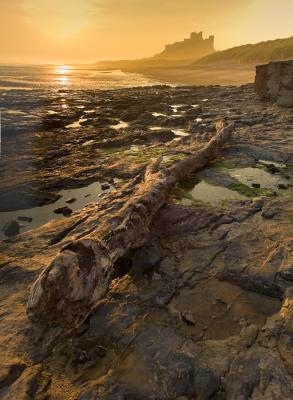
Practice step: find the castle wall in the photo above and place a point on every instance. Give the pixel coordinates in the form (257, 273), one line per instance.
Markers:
(274, 81)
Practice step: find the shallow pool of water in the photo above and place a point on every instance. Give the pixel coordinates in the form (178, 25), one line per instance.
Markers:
(41, 215)
(76, 124)
(176, 106)
(134, 149)
(249, 176)
(88, 143)
(120, 125)
(155, 128)
(157, 114)
(211, 194)
(180, 132)
(15, 112)
(274, 163)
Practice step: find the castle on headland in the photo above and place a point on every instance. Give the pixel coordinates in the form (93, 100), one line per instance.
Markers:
(193, 48)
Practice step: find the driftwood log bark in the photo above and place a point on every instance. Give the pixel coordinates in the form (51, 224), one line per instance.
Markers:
(66, 291)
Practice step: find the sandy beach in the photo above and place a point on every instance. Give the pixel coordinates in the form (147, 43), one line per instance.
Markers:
(234, 74)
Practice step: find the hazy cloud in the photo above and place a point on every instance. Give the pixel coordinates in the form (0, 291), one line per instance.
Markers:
(87, 30)
(140, 7)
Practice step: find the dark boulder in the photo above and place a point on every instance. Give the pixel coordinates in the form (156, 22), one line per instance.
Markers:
(71, 200)
(105, 186)
(63, 210)
(25, 219)
(11, 228)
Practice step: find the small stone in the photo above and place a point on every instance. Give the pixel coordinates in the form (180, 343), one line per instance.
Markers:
(25, 219)
(101, 351)
(82, 329)
(156, 277)
(268, 213)
(11, 228)
(63, 210)
(105, 186)
(82, 358)
(258, 203)
(255, 185)
(90, 364)
(242, 322)
(136, 141)
(188, 317)
(71, 200)
(248, 335)
(273, 169)
(219, 300)
(274, 193)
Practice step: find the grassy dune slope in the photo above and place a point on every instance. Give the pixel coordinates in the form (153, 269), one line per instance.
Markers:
(272, 50)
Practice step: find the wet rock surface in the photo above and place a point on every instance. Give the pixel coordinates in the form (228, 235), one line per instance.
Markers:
(94, 150)
(204, 309)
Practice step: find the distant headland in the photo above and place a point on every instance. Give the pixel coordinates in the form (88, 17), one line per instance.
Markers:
(193, 48)
(180, 53)
(194, 60)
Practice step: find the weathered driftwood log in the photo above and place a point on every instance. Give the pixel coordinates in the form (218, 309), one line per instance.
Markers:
(66, 291)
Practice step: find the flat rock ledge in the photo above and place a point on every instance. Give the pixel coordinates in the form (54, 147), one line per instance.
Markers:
(204, 309)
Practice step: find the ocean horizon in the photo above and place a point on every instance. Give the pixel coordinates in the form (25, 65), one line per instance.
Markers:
(29, 77)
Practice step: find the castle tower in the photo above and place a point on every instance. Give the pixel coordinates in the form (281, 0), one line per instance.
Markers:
(212, 39)
(196, 36)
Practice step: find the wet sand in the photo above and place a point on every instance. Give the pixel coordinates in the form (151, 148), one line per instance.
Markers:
(207, 75)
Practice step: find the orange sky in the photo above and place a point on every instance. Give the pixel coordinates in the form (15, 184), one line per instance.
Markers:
(64, 31)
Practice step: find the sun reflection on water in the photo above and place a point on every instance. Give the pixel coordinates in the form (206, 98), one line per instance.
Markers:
(62, 70)
(63, 80)
(63, 74)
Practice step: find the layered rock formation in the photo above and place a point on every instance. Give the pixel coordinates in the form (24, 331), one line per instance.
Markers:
(192, 48)
(274, 81)
(204, 308)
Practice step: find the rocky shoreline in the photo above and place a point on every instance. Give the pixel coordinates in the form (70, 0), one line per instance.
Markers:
(203, 310)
